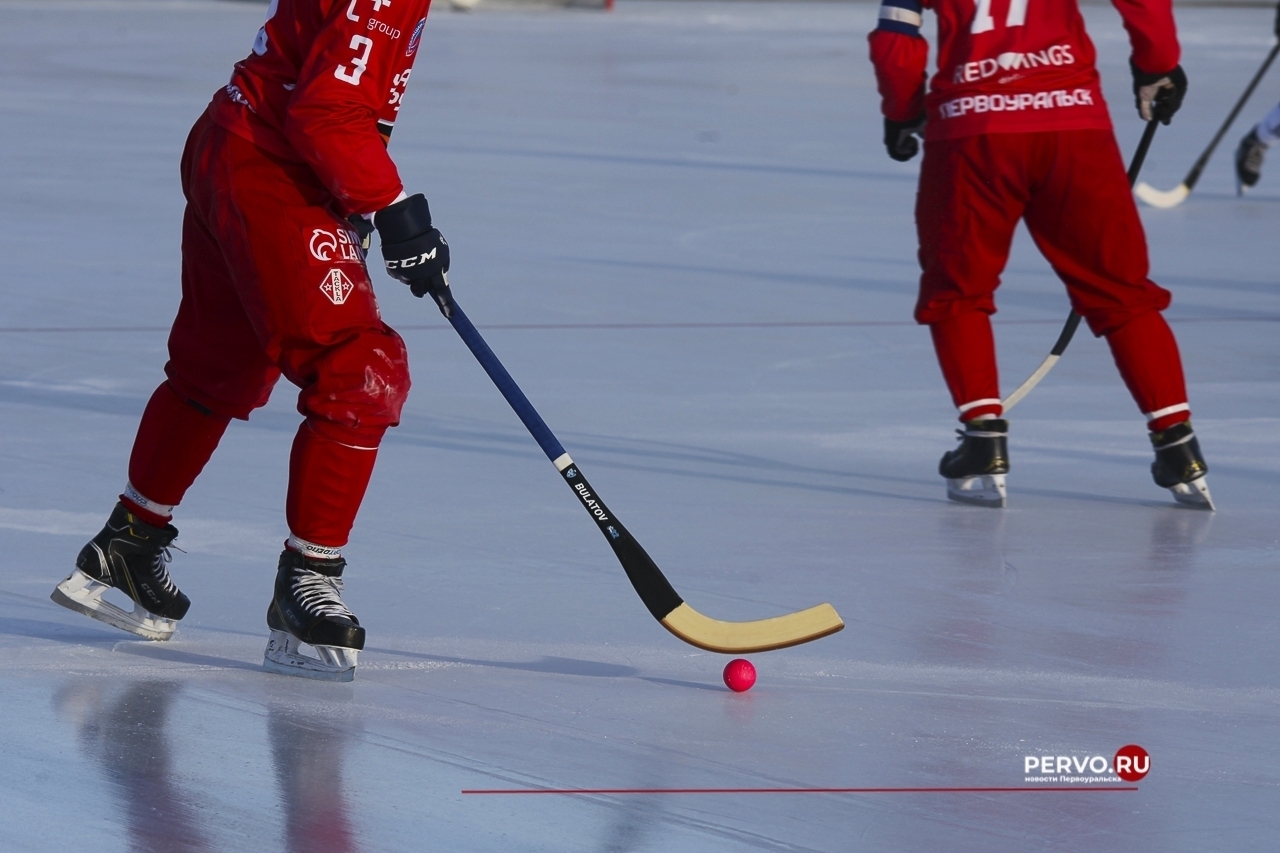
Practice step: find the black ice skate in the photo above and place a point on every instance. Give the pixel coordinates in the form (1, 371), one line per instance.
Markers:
(975, 470)
(1249, 156)
(308, 608)
(1179, 466)
(128, 555)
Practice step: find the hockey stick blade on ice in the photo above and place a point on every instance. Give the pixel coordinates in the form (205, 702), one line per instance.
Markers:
(1175, 196)
(1073, 319)
(652, 586)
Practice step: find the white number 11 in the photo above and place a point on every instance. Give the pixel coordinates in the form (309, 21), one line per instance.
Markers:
(983, 22)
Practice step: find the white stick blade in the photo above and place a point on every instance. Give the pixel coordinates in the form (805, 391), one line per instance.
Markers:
(1032, 381)
(1161, 198)
(761, 635)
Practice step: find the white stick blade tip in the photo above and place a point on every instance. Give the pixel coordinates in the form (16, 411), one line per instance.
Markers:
(1161, 198)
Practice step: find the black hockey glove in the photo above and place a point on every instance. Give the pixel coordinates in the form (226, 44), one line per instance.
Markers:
(1278, 20)
(364, 228)
(900, 137)
(414, 251)
(1158, 96)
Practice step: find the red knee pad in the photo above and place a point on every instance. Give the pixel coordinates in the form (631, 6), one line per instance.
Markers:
(361, 383)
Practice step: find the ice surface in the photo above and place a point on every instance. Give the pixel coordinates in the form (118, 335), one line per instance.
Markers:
(676, 225)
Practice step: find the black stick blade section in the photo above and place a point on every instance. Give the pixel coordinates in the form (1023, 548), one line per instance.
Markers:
(651, 585)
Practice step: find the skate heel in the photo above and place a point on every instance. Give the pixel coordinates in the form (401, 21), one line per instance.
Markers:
(284, 656)
(83, 594)
(983, 490)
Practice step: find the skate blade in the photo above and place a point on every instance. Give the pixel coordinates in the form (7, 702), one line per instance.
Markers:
(284, 657)
(985, 490)
(1194, 494)
(83, 594)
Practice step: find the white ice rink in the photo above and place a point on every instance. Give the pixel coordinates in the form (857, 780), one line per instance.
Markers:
(677, 226)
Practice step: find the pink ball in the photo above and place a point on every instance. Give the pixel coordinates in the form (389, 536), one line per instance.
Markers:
(739, 675)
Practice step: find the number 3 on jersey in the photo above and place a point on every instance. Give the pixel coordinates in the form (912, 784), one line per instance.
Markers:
(984, 23)
(362, 45)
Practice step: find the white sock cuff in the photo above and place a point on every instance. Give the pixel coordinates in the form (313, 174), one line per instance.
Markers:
(1167, 410)
(311, 549)
(986, 401)
(146, 503)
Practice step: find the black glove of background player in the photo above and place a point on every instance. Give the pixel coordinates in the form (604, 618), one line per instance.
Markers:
(414, 251)
(900, 137)
(1158, 96)
(1278, 20)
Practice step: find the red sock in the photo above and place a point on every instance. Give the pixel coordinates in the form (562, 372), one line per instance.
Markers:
(174, 441)
(327, 481)
(1147, 354)
(966, 351)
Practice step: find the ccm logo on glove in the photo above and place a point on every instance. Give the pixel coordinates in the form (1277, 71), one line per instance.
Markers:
(413, 262)
(412, 249)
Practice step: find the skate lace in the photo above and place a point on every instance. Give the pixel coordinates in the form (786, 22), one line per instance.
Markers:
(320, 594)
(160, 572)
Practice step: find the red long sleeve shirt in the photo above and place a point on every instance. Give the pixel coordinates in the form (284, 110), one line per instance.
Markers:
(1007, 66)
(323, 86)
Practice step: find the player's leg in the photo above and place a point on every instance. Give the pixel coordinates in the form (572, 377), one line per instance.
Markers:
(319, 320)
(216, 371)
(971, 197)
(352, 393)
(1085, 222)
(1252, 149)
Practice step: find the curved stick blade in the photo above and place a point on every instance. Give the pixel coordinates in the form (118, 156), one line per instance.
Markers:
(761, 635)
(1161, 198)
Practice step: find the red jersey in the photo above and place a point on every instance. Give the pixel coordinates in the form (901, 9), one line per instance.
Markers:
(1008, 66)
(323, 86)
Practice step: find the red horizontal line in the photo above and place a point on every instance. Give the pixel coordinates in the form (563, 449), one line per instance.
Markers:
(968, 790)
(765, 324)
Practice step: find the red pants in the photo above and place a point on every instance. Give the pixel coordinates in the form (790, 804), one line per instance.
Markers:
(1070, 188)
(272, 283)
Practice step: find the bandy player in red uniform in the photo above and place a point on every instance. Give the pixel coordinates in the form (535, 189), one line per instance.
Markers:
(285, 159)
(1015, 127)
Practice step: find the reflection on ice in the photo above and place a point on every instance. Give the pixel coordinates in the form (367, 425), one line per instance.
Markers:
(307, 754)
(124, 730)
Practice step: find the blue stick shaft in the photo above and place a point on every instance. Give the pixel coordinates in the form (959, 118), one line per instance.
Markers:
(519, 402)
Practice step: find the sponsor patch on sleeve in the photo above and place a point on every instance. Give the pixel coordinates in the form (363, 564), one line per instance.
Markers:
(416, 38)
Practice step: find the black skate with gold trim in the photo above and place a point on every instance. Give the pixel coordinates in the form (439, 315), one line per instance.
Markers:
(976, 470)
(1180, 467)
(132, 556)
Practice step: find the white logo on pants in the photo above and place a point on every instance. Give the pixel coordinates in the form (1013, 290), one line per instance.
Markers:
(343, 244)
(336, 286)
